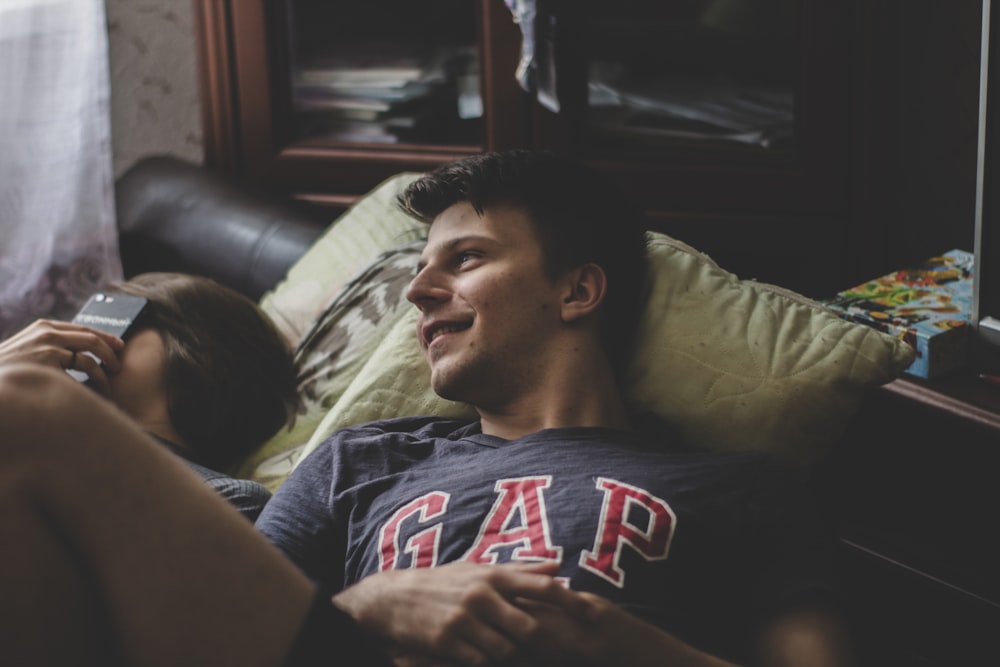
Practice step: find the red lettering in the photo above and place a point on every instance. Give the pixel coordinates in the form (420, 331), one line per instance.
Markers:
(422, 547)
(652, 541)
(517, 520)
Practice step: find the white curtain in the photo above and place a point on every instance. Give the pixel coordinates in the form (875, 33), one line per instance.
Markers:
(58, 239)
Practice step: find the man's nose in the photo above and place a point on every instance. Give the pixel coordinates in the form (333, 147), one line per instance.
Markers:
(424, 289)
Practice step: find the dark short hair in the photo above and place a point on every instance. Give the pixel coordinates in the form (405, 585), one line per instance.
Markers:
(229, 375)
(579, 215)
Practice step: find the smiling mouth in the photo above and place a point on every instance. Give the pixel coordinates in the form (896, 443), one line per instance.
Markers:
(447, 329)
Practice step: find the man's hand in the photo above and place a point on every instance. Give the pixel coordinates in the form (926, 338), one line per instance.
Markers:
(464, 614)
(63, 345)
(461, 613)
(605, 635)
(613, 637)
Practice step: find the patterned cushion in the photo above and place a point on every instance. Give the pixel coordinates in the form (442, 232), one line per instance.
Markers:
(370, 227)
(342, 339)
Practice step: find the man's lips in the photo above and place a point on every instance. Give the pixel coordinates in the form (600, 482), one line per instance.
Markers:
(434, 330)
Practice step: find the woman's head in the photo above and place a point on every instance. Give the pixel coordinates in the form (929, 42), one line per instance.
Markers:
(227, 372)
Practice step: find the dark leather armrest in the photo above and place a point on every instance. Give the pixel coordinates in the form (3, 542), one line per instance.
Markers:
(178, 216)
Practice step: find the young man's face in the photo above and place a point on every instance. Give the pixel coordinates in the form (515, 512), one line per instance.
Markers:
(488, 311)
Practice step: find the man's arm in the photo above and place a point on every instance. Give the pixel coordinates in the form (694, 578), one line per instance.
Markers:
(806, 636)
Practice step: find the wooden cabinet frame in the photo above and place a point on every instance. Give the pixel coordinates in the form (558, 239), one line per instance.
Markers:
(243, 107)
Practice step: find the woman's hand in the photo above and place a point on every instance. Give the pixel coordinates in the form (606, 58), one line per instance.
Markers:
(68, 346)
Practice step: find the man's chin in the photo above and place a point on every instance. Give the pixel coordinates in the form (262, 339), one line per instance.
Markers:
(449, 387)
(445, 391)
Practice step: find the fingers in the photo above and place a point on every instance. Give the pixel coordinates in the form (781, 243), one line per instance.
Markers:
(486, 628)
(543, 587)
(100, 344)
(446, 614)
(92, 352)
(63, 345)
(490, 625)
(465, 613)
(97, 375)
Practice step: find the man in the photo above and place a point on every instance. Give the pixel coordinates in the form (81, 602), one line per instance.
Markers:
(528, 290)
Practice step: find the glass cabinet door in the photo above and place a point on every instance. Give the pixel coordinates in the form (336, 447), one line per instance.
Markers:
(691, 75)
(325, 99)
(686, 100)
(708, 113)
(383, 72)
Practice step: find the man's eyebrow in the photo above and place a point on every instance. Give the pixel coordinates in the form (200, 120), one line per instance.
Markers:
(451, 244)
(479, 238)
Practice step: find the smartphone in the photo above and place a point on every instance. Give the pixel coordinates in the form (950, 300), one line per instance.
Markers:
(110, 312)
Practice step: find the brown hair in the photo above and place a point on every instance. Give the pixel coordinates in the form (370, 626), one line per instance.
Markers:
(579, 215)
(230, 379)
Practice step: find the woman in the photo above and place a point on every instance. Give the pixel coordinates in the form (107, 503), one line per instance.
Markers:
(203, 370)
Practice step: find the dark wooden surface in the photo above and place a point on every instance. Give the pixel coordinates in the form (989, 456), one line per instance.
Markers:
(914, 492)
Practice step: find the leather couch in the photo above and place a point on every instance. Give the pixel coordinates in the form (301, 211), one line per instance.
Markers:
(174, 215)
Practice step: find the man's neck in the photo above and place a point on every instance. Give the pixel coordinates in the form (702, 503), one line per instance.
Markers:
(587, 396)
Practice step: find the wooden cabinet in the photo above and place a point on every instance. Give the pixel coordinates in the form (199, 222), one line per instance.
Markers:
(257, 56)
(775, 135)
(912, 488)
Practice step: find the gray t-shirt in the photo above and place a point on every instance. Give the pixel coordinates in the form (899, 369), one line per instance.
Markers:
(688, 541)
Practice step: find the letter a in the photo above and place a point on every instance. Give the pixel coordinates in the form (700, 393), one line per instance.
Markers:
(523, 499)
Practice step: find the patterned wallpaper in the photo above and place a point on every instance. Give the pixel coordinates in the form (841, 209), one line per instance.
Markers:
(154, 80)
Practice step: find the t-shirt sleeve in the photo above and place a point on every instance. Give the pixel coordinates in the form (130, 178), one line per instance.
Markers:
(298, 519)
(247, 496)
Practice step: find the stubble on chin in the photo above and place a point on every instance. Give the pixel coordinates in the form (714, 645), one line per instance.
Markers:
(454, 382)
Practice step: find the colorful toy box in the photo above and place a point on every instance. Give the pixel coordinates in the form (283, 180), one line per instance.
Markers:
(929, 306)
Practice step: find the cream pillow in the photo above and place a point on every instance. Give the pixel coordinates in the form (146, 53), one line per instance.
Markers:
(731, 364)
(372, 226)
(736, 364)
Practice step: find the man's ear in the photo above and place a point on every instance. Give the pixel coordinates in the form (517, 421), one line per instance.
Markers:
(586, 286)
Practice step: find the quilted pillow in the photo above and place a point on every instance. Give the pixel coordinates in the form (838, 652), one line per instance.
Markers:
(736, 364)
(372, 226)
(731, 364)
